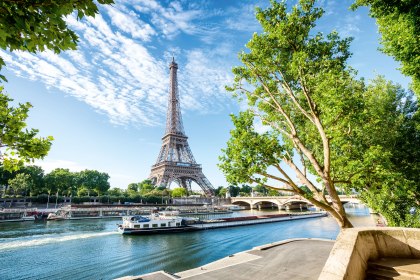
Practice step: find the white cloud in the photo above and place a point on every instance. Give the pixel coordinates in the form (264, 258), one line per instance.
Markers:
(242, 18)
(172, 19)
(128, 22)
(117, 72)
(206, 74)
(349, 26)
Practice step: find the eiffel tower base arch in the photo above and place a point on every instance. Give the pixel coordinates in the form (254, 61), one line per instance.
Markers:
(164, 174)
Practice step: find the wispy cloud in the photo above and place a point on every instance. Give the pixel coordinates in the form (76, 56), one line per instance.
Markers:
(118, 71)
(242, 19)
(349, 26)
(171, 20)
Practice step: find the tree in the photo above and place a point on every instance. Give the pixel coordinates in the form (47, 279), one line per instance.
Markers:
(115, 192)
(272, 192)
(233, 190)
(36, 174)
(245, 190)
(35, 26)
(145, 186)
(388, 144)
(399, 25)
(222, 192)
(179, 192)
(5, 176)
(21, 184)
(94, 180)
(133, 188)
(322, 120)
(299, 85)
(60, 180)
(20, 145)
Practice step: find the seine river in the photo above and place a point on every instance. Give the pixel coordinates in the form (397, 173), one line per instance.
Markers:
(92, 249)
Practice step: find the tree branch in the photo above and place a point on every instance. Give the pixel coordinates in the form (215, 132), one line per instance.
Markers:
(279, 107)
(287, 88)
(271, 187)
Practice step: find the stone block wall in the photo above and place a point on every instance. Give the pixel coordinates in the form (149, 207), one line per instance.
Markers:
(356, 246)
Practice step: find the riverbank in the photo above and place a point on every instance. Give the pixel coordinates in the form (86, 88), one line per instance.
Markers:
(79, 212)
(279, 260)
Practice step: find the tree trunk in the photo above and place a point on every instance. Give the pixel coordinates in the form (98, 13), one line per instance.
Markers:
(339, 216)
(342, 221)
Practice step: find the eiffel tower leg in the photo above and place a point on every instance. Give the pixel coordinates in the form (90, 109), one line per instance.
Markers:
(163, 181)
(205, 185)
(186, 184)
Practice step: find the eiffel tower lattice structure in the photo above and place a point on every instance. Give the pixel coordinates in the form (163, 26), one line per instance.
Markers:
(176, 162)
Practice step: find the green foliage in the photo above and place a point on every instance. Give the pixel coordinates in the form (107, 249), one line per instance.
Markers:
(272, 192)
(385, 167)
(6, 175)
(399, 25)
(93, 180)
(260, 190)
(36, 174)
(233, 190)
(21, 145)
(61, 180)
(34, 25)
(132, 189)
(322, 119)
(179, 192)
(248, 152)
(115, 192)
(245, 190)
(220, 191)
(21, 184)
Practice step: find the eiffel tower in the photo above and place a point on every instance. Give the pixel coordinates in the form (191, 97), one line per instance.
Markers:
(176, 162)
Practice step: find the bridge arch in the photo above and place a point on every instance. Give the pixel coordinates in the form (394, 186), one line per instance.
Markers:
(266, 204)
(247, 204)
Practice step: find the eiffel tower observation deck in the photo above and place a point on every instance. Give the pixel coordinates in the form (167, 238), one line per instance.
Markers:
(175, 162)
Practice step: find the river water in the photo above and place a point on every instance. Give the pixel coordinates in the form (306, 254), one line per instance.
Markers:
(92, 249)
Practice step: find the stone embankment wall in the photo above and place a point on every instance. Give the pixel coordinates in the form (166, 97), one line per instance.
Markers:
(356, 246)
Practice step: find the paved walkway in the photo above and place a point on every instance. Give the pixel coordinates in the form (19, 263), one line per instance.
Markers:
(298, 259)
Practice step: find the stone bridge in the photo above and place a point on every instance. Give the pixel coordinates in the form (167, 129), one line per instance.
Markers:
(283, 202)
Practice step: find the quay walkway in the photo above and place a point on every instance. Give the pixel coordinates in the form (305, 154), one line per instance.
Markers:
(299, 259)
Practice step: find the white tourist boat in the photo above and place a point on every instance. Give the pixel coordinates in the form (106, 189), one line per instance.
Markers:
(155, 223)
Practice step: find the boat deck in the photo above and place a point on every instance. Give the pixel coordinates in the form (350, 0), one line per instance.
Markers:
(259, 220)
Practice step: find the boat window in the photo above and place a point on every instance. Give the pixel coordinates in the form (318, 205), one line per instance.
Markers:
(163, 225)
(178, 224)
(154, 225)
(136, 226)
(169, 224)
(145, 226)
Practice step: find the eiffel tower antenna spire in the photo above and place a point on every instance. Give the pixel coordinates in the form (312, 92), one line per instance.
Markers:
(173, 115)
(175, 161)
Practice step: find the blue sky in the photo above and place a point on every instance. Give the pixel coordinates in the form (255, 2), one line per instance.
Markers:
(105, 103)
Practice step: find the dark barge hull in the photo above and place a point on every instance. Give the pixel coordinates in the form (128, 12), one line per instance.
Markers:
(158, 230)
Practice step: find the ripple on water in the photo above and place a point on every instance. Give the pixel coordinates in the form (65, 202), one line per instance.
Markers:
(91, 249)
(20, 243)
